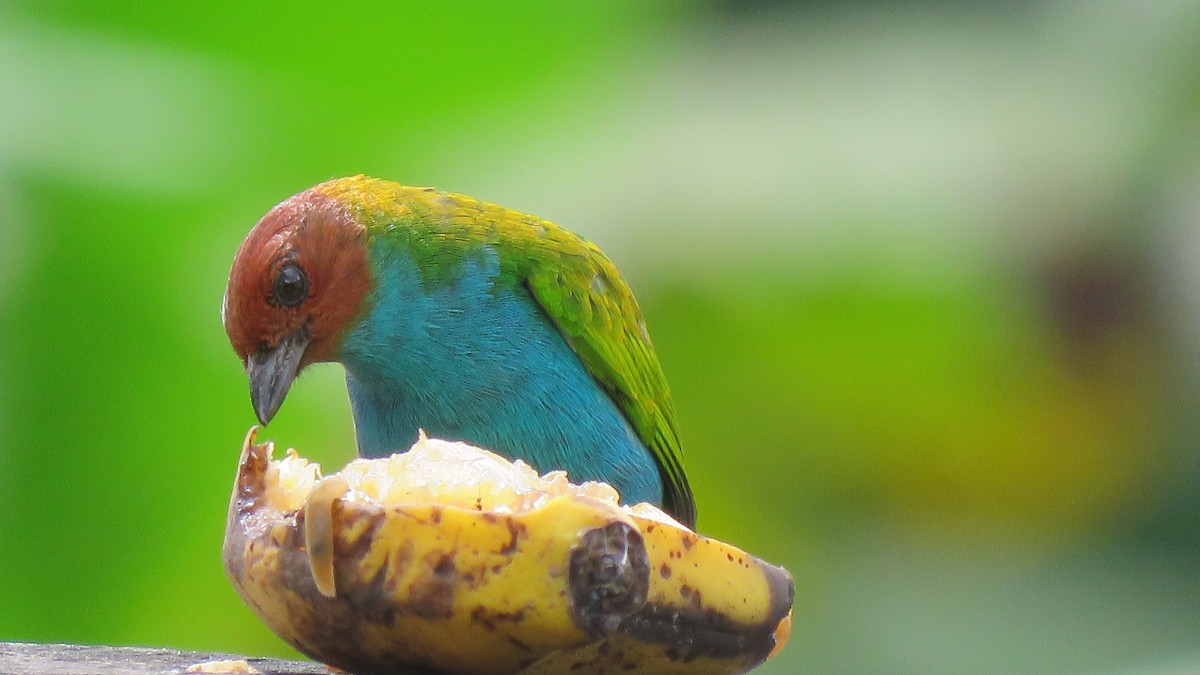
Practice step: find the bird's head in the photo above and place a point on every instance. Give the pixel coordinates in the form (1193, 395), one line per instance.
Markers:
(298, 281)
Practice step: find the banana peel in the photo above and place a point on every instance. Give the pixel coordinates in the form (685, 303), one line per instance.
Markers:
(374, 571)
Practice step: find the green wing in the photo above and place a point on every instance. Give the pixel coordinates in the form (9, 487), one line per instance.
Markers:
(583, 293)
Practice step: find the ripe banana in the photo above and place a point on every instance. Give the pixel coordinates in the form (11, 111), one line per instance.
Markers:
(450, 559)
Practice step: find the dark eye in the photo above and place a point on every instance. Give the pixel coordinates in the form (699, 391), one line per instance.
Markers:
(291, 286)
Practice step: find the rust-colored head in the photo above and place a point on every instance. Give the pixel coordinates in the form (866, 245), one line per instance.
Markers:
(298, 280)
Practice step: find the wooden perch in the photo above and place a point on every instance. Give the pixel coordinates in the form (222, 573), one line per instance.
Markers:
(20, 658)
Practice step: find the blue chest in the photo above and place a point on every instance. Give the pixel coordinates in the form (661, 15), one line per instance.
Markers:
(477, 361)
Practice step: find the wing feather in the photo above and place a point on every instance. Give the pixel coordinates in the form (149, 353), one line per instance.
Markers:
(584, 294)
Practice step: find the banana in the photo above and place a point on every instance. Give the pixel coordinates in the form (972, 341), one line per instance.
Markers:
(450, 559)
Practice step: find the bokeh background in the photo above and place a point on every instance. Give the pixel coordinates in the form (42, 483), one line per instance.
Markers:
(923, 277)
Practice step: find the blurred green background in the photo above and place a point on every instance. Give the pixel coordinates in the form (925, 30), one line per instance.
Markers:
(923, 278)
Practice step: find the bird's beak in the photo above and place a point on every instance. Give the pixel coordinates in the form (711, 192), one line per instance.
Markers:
(271, 372)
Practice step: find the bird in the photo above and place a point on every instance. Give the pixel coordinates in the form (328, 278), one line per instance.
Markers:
(463, 320)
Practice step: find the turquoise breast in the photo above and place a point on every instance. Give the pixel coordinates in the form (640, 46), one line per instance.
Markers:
(477, 360)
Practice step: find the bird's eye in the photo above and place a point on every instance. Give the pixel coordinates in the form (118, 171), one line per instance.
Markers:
(291, 285)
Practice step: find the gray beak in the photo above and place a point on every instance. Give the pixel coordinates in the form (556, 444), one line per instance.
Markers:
(271, 372)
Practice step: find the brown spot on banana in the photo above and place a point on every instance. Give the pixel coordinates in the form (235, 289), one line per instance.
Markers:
(609, 577)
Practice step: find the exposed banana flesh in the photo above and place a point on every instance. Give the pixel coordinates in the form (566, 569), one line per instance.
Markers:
(450, 559)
